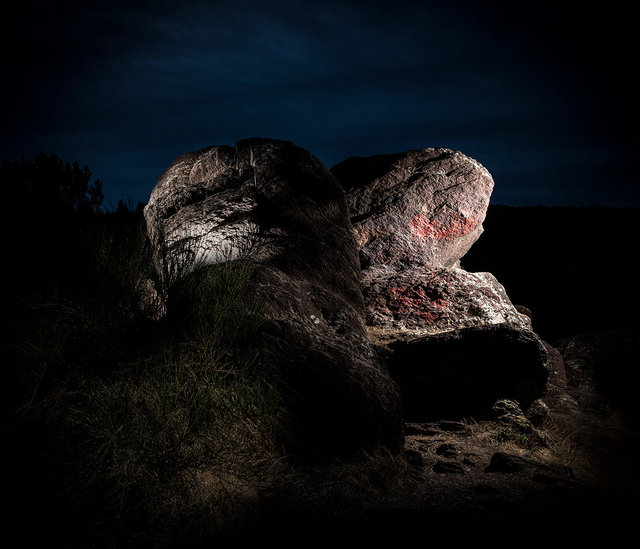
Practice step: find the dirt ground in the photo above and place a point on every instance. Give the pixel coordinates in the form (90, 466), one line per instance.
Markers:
(565, 474)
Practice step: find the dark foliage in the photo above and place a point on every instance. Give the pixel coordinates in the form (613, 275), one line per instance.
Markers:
(108, 412)
(50, 207)
(50, 187)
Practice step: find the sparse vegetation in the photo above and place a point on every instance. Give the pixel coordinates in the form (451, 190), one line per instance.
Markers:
(140, 428)
(125, 425)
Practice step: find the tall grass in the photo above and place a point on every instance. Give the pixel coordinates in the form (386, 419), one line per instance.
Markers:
(134, 428)
(129, 424)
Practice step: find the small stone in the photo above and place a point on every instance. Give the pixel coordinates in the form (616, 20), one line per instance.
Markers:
(447, 450)
(506, 406)
(448, 467)
(414, 458)
(419, 429)
(447, 425)
(502, 462)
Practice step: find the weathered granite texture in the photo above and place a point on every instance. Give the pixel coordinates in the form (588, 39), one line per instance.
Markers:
(276, 206)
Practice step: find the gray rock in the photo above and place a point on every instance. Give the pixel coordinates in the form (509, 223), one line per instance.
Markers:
(339, 399)
(411, 429)
(462, 373)
(515, 423)
(503, 462)
(456, 341)
(266, 200)
(453, 340)
(417, 301)
(506, 407)
(448, 425)
(419, 208)
(274, 205)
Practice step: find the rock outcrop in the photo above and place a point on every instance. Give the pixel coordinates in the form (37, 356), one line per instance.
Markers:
(452, 339)
(275, 205)
(362, 292)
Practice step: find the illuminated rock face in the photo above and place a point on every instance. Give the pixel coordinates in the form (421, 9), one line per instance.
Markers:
(419, 208)
(354, 286)
(261, 199)
(415, 214)
(276, 206)
(415, 302)
(457, 342)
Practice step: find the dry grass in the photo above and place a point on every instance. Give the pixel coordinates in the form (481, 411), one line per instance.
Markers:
(565, 450)
(136, 426)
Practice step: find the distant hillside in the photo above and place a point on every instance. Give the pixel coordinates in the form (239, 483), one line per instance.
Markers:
(572, 267)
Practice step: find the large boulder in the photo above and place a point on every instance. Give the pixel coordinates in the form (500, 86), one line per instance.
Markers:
(262, 199)
(419, 208)
(276, 206)
(452, 339)
(462, 373)
(338, 395)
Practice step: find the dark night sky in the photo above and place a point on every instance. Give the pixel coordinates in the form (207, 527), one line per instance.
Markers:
(541, 93)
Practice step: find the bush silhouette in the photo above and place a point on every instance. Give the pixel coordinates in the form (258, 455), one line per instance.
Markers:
(49, 185)
(52, 205)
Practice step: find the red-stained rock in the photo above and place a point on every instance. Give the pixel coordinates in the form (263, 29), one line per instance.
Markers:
(417, 301)
(419, 208)
(452, 339)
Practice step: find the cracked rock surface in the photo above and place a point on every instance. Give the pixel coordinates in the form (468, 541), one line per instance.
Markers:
(452, 339)
(421, 207)
(275, 206)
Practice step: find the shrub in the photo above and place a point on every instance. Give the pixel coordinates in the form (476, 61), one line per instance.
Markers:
(48, 185)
